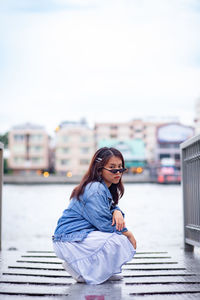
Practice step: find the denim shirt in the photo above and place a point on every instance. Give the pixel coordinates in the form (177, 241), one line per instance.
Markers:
(92, 212)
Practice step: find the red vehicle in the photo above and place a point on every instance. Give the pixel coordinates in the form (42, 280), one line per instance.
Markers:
(168, 173)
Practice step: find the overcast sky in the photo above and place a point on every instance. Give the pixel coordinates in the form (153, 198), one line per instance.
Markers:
(105, 60)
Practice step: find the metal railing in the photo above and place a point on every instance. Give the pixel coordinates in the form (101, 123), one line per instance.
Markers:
(1, 183)
(190, 157)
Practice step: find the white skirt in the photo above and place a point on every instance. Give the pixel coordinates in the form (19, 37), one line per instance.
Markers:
(99, 256)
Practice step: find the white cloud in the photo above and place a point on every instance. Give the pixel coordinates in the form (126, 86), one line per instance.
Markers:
(128, 58)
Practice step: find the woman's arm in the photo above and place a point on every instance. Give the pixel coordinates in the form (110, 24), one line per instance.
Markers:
(131, 238)
(97, 212)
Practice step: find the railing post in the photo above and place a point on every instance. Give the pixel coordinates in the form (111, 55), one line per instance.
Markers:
(1, 184)
(190, 159)
(187, 247)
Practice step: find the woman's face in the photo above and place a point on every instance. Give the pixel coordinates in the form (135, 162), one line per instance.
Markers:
(109, 178)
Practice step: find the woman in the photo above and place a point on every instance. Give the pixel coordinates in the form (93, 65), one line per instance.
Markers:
(91, 236)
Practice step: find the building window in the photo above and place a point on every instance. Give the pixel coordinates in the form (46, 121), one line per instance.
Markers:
(19, 148)
(18, 137)
(164, 155)
(36, 137)
(36, 148)
(177, 156)
(113, 136)
(84, 138)
(168, 145)
(65, 150)
(36, 160)
(65, 138)
(85, 150)
(176, 145)
(84, 161)
(64, 162)
(164, 146)
(113, 127)
(18, 160)
(138, 130)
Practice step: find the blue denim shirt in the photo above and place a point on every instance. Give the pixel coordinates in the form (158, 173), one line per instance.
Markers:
(92, 212)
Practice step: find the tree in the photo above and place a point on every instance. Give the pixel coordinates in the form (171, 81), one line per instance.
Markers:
(4, 139)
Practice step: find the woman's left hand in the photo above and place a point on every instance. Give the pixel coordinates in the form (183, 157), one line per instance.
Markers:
(118, 220)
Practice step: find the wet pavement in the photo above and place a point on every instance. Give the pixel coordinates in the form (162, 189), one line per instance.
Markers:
(173, 274)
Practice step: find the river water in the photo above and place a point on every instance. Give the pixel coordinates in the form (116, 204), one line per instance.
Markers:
(153, 213)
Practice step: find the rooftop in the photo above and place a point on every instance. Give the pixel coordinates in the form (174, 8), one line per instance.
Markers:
(27, 126)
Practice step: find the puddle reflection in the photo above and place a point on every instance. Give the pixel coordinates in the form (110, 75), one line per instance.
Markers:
(106, 291)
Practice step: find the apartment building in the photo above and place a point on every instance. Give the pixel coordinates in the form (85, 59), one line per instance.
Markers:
(74, 148)
(28, 146)
(133, 130)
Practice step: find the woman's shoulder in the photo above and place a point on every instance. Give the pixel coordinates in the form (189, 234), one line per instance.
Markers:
(95, 187)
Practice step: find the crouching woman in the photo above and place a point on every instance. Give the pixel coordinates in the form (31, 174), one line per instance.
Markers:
(91, 237)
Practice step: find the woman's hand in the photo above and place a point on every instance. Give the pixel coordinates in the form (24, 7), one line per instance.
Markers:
(118, 220)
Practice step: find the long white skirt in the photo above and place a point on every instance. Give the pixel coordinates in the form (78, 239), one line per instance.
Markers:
(98, 256)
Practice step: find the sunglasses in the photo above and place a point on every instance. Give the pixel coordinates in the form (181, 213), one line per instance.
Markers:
(115, 171)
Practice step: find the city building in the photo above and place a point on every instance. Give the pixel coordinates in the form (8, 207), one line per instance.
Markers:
(197, 116)
(139, 131)
(169, 136)
(74, 148)
(167, 165)
(28, 147)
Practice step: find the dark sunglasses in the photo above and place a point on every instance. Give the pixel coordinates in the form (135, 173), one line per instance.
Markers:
(115, 171)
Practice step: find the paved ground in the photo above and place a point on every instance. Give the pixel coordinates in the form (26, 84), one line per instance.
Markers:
(170, 274)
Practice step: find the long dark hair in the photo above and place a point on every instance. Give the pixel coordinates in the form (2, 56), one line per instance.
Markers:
(99, 160)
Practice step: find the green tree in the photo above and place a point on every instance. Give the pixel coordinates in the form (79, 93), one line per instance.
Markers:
(4, 139)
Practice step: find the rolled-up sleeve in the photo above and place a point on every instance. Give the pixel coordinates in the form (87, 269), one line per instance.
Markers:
(97, 211)
(116, 207)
